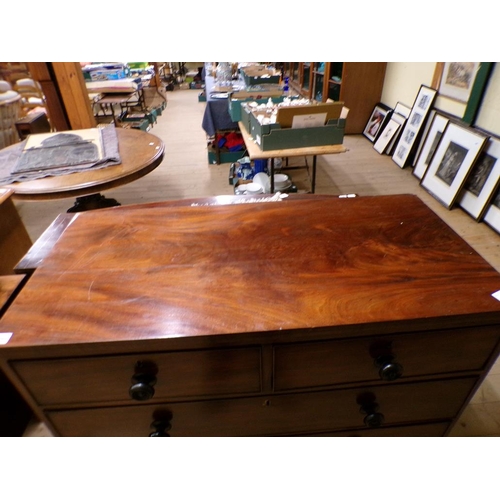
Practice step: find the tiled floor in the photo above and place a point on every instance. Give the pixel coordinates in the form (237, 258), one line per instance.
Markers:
(185, 173)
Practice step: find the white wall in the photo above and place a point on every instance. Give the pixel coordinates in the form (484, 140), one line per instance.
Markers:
(403, 80)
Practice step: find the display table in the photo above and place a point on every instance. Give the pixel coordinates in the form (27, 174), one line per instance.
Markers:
(309, 316)
(254, 152)
(216, 117)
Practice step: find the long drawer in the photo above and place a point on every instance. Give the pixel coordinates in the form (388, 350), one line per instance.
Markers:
(109, 379)
(287, 414)
(316, 364)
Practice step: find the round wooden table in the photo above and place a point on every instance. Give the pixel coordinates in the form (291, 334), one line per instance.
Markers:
(140, 152)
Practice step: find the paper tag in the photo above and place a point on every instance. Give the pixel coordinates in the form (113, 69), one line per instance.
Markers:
(5, 337)
(496, 295)
(308, 121)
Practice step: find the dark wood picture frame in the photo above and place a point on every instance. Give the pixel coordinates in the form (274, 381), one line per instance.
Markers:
(451, 163)
(378, 120)
(482, 182)
(408, 141)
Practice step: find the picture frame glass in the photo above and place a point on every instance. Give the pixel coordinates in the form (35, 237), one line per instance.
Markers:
(482, 182)
(416, 120)
(492, 214)
(386, 136)
(458, 79)
(376, 122)
(452, 161)
(431, 142)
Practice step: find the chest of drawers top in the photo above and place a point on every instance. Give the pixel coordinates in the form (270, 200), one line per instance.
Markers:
(156, 272)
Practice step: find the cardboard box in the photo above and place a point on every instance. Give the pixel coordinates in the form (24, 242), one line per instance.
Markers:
(281, 136)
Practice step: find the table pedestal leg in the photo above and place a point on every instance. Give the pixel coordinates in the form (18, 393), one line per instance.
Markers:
(92, 202)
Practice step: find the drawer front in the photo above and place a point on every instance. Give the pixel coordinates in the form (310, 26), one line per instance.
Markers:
(423, 430)
(291, 414)
(109, 379)
(316, 364)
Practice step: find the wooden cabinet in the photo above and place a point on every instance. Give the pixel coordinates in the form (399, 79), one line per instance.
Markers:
(358, 85)
(312, 316)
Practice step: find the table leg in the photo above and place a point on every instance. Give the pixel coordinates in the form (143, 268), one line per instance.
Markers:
(272, 175)
(313, 177)
(92, 202)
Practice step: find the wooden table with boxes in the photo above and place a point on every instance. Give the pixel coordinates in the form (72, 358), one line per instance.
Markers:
(283, 140)
(243, 316)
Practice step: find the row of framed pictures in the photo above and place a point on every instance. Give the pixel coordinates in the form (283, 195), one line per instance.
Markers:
(457, 164)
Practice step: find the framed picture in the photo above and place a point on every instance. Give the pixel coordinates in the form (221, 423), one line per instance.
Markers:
(423, 134)
(377, 121)
(402, 109)
(492, 214)
(407, 143)
(385, 137)
(392, 144)
(451, 163)
(458, 79)
(438, 123)
(482, 182)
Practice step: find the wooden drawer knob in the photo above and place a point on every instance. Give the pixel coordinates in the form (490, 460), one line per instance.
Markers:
(161, 428)
(161, 423)
(388, 368)
(143, 381)
(369, 407)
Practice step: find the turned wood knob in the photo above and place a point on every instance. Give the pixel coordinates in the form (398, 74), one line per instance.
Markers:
(161, 428)
(374, 419)
(143, 381)
(161, 423)
(388, 368)
(369, 407)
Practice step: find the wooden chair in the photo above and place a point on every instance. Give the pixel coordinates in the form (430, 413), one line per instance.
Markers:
(32, 96)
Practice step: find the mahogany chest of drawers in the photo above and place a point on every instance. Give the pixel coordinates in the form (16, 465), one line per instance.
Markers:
(309, 316)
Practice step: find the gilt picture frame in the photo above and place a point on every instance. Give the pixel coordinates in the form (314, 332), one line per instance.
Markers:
(482, 182)
(451, 163)
(457, 80)
(408, 141)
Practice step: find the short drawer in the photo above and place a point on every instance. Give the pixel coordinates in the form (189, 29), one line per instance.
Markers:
(290, 414)
(107, 379)
(316, 364)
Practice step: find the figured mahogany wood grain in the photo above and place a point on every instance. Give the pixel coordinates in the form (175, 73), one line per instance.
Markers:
(176, 272)
(140, 152)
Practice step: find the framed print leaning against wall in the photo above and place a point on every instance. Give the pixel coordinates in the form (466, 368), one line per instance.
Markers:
(377, 121)
(385, 137)
(482, 181)
(458, 150)
(431, 141)
(405, 148)
(492, 215)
